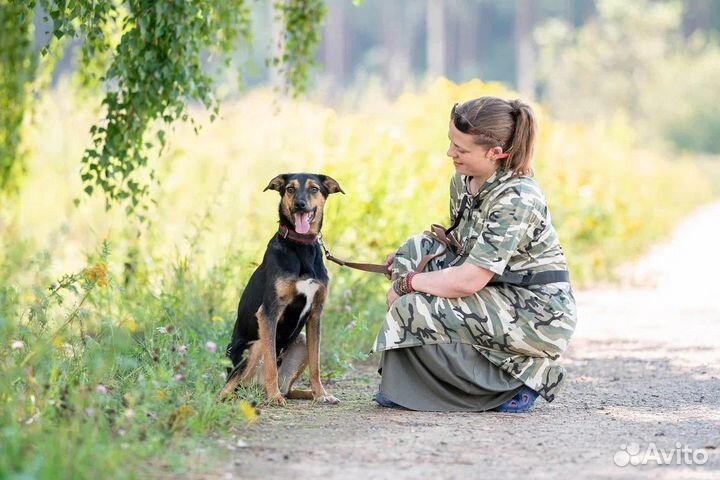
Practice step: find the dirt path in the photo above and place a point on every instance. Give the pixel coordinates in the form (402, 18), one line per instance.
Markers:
(643, 368)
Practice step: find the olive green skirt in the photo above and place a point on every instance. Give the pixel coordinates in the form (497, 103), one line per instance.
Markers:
(451, 377)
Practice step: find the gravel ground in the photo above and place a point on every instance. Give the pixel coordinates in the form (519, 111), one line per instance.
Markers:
(643, 382)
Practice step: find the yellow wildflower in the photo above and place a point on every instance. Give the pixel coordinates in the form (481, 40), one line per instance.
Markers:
(131, 325)
(180, 416)
(97, 273)
(248, 411)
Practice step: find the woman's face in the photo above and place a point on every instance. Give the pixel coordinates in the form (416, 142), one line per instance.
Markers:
(468, 157)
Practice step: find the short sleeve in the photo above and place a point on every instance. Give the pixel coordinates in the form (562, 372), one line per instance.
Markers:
(504, 228)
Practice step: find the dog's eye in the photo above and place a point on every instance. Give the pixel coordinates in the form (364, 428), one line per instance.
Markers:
(314, 190)
(290, 189)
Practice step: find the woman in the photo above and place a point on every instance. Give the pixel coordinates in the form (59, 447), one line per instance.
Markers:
(483, 325)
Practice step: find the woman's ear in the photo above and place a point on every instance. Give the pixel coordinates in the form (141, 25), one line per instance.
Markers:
(276, 183)
(497, 153)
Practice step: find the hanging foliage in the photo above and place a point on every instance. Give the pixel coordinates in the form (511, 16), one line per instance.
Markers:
(17, 70)
(301, 38)
(148, 55)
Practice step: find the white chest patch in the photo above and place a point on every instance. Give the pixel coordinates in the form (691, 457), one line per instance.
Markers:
(309, 288)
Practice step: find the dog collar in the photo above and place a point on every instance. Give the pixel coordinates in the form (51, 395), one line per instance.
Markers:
(284, 232)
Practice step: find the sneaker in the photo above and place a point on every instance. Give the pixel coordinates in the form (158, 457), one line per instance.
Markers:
(384, 402)
(520, 403)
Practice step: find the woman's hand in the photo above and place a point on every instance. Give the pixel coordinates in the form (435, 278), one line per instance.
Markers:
(390, 297)
(388, 263)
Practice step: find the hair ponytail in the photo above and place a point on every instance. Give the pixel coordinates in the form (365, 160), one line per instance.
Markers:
(522, 145)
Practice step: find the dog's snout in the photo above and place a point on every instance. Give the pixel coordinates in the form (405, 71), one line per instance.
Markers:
(300, 204)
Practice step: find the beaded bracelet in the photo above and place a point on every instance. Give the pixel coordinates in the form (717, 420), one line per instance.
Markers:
(409, 278)
(403, 285)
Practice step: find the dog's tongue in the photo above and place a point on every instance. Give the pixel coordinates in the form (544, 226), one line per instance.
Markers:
(302, 225)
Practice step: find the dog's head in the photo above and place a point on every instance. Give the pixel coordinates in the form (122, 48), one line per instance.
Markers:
(302, 199)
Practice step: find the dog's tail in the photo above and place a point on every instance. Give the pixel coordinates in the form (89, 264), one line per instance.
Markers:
(235, 352)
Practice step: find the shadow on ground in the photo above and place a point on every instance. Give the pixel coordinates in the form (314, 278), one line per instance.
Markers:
(618, 393)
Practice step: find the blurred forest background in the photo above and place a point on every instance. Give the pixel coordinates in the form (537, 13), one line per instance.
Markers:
(112, 329)
(652, 60)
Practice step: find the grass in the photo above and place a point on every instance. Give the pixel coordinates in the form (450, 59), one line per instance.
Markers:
(112, 333)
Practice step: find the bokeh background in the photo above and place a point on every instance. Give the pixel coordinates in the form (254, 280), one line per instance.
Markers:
(112, 330)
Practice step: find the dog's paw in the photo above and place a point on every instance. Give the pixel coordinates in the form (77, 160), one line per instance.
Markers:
(278, 401)
(329, 399)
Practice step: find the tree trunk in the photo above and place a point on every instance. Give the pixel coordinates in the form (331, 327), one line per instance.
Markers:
(524, 48)
(696, 16)
(468, 42)
(435, 38)
(335, 41)
(395, 31)
(278, 76)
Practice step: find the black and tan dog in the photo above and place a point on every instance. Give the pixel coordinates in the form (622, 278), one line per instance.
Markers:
(285, 293)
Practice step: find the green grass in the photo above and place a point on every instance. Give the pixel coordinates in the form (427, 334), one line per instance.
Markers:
(131, 370)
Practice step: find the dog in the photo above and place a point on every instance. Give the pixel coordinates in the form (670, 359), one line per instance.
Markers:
(285, 293)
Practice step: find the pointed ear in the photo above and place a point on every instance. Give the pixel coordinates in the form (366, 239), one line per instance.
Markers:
(331, 184)
(276, 183)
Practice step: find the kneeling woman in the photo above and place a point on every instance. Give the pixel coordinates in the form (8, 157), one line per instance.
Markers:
(483, 325)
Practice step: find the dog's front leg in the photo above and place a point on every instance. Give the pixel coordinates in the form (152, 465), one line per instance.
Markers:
(313, 343)
(267, 327)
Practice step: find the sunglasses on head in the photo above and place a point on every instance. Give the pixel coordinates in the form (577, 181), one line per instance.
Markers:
(461, 123)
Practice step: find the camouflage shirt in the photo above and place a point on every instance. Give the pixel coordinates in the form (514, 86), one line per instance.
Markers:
(522, 330)
(508, 226)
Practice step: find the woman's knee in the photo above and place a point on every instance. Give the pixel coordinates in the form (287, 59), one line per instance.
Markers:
(410, 253)
(412, 304)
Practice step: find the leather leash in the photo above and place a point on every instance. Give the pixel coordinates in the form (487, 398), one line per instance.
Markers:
(366, 267)
(438, 232)
(442, 235)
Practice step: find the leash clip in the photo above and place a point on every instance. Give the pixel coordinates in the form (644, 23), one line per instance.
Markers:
(322, 245)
